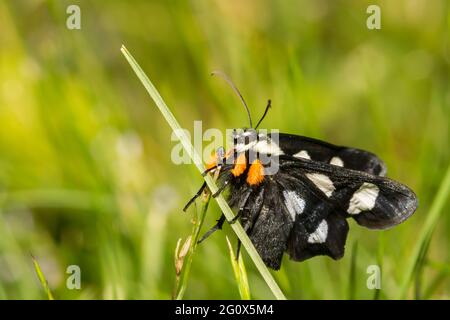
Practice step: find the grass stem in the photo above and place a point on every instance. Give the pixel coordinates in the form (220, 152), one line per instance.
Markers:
(421, 247)
(42, 279)
(183, 274)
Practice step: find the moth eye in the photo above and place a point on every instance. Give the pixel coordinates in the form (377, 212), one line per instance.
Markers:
(220, 152)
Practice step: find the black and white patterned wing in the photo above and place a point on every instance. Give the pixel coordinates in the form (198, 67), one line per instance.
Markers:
(264, 219)
(373, 201)
(285, 214)
(302, 209)
(319, 227)
(317, 150)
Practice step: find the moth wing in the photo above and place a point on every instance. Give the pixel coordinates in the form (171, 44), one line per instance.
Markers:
(328, 238)
(317, 150)
(282, 214)
(373, 201)
(319, 227)
(267, 224)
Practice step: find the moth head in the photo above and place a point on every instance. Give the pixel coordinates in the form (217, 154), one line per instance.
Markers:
(245, 139)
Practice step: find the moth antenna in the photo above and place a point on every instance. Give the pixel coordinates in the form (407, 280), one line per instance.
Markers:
(235, 89)
(269, 104)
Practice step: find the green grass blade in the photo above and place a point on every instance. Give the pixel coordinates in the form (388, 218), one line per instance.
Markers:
(420, 249)
(439, 279)
(42, 279)
(352, 277)
(187, 145)
(240, 273)
(380, 261)
(183, 274)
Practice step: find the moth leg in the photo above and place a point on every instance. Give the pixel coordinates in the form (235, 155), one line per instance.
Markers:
(198, 194)
(217, 226)
(219, 163)
(235, 218)
(241, 207)
(239, 213)
(238, 250)
(247, 224)
(238, 247)
(221, 188)
(204, 173)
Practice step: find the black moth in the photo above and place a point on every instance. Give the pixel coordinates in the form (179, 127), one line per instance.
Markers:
(302, 209)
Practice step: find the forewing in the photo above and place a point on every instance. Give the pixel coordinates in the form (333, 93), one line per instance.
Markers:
(317, 150)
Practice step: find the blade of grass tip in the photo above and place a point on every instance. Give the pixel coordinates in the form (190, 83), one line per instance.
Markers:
(182, 279)
(419, 251)
(240, 273)
(41, 277)
(187, 145)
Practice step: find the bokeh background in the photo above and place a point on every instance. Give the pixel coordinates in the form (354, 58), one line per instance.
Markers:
(86, 176)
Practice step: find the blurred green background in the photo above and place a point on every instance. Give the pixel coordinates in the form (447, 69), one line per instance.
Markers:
(86, 176)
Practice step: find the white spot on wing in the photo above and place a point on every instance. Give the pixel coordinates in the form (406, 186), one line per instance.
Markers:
(302, 154)
(364, 198)
(294, 203)
(320, 235)
(337, 161)
(322, 182)
(267, 147)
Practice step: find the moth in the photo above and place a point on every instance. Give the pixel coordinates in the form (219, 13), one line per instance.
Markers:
(302, 208)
